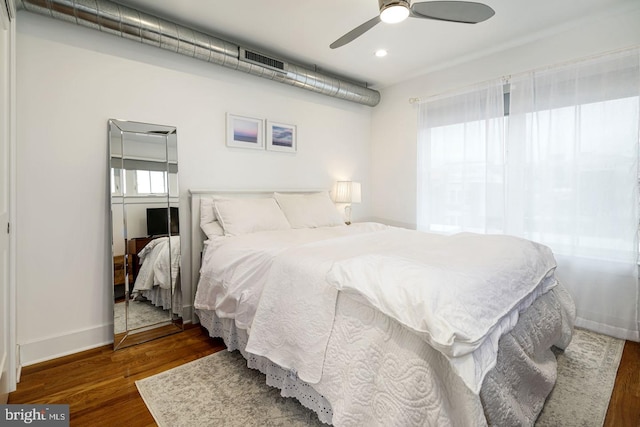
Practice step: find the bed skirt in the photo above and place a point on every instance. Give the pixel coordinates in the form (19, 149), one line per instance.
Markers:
(289, 384)
(161, 297)
(513, 393)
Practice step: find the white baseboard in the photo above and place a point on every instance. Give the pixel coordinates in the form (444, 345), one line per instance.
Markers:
(62, 345)
(4, 394)
(49, 348)
(187, 314)
(18, 364)
(3, 360)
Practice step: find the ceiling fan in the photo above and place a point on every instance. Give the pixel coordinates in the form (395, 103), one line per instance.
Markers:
(393, 11)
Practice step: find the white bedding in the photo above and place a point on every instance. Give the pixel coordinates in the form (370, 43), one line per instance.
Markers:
(460, 293)
(234, 269)
(378, 373)
(159, 264)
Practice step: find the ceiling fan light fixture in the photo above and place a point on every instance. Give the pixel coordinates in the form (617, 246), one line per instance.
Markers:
(393, 12)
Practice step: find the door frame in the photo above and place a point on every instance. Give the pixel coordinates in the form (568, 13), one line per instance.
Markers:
(9, 373)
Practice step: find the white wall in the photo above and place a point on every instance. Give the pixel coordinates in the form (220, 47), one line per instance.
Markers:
(71, 80)
(394, 128)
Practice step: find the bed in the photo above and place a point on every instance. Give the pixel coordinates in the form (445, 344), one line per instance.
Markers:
(159, 273)
(368, 324)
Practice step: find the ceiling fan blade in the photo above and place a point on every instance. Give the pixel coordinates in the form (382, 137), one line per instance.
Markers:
(453, 11)
(355, 33)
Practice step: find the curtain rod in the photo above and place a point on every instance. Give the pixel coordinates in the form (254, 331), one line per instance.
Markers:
(460, 90)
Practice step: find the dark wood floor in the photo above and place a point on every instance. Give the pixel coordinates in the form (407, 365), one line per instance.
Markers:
(99, 384)
(624, 407)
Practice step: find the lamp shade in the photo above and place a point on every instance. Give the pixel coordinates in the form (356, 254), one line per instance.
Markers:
(348, 192)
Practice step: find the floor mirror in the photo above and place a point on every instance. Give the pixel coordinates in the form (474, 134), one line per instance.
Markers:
(145, 228)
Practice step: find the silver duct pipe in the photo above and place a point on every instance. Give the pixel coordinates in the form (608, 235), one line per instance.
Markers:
(126, 22)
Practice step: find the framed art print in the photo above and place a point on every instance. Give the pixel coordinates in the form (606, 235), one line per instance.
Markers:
(281, 137)
(245, 132)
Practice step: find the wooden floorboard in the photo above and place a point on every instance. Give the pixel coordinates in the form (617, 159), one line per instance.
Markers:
(99, 384)
(624, 407)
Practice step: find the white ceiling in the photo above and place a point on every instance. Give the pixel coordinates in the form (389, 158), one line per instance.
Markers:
(301, 30)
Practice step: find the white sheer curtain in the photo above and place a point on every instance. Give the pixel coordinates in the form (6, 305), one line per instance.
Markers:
(461, 174)
(573, 181)
(565, 174)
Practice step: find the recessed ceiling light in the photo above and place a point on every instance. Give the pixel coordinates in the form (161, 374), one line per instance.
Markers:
(380, 53)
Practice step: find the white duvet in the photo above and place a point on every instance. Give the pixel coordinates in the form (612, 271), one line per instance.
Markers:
(160, 263)
(458, 293)
(235, 269)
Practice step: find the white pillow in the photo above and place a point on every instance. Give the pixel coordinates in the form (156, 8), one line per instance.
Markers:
(212, 229)
(243, 216)
(208, 221)
(309, 210)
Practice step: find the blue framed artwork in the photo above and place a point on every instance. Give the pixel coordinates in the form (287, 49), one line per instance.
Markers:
(281, 137)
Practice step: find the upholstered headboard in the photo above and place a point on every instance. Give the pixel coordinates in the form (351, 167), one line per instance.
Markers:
(197, 235)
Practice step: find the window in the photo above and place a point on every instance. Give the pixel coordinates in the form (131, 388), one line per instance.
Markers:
(151, 182)
(461, 162)
(581, 163)
(118, 181)
(563, 170)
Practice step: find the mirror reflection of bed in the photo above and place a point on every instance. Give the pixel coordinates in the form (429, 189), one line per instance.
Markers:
(153, 278)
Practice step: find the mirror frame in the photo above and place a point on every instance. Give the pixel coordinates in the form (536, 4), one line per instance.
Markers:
(118, 131)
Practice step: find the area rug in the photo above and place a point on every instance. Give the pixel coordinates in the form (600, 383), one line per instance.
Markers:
(586, 376)
(185, 396)
(141, 313)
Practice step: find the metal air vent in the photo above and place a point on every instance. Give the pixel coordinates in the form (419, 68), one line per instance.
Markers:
(260, 59)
